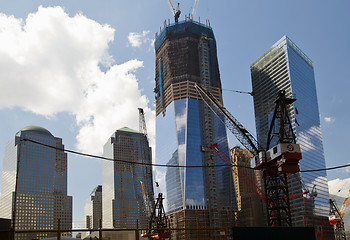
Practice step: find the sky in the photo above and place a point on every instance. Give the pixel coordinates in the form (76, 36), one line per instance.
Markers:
(82, 68)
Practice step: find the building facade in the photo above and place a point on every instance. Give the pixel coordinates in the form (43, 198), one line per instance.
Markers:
(128, 195)
(250, 207)
(41, 172)
(186, 54)
(93, 210)
(285, 67)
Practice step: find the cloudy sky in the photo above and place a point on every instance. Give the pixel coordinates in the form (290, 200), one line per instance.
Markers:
(82, 68)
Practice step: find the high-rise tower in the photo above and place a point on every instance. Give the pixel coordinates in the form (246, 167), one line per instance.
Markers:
(186, 54)
(285, 67)
(41, 173)
(93, 211)
(125, 204)
(250, 207)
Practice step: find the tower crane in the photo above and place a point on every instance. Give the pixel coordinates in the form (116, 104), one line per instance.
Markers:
(158, 221)
(176, 12)
(276, 162)
(336, 219)
(142, 122)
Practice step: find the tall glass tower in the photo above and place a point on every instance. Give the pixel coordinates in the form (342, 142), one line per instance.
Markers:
(186, 54)
(127, 196)
(41, 173)
(285, 67)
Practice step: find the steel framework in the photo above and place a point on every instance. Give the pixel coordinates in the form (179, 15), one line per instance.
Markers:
(339, 229)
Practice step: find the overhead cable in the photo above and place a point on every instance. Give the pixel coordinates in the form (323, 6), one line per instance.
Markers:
(166, 165)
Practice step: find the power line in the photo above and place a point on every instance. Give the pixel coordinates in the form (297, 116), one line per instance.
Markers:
(167, 165)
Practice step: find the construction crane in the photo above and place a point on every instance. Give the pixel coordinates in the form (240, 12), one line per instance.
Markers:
(279, 161)
(242, 134)
(148, 205)
(176, 12)
(158, 221)
(336, 219)
(275, 162)
(142, 122)
(345, 205)
(194, 9)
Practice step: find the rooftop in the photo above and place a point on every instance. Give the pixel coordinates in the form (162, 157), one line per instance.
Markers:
(36, 129)
(126, 129)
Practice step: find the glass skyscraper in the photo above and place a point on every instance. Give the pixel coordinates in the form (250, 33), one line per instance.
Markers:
(127, 197)
(185, 55)
(285, 67)
(41, 174)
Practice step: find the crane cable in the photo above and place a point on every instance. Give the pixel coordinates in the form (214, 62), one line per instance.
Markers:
(164, 165)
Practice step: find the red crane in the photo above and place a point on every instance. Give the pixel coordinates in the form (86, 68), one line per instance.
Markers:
(276, 163)
(336, 219)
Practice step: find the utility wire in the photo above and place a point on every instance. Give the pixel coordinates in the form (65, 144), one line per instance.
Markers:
(166, 165)
(124, 161)
(236, 91)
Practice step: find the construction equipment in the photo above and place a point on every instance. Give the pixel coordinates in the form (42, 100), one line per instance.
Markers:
(148, 207)
(176, 12)
(345, 205)
(238, 130)
(142, 122)
(276, 162)
(336, 219)
(194, 9)
(158, 221)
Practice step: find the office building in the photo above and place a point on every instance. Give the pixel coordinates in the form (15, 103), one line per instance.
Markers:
(41, 172)
(285, 67)
(127, 183)
(93, 210)
(185, 55)
(250, 207)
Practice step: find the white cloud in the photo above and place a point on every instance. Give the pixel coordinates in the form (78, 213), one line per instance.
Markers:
(329, 119)
(137, 39)
(339, 187)
(49, 63)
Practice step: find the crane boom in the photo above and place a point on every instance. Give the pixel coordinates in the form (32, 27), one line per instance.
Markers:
(194, 9)
(142, 122)
(242, 134)
(171, 7)
(345, 205)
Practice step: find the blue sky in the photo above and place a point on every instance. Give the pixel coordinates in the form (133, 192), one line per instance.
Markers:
(81, 68)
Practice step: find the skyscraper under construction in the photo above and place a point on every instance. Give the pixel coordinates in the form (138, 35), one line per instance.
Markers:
(186, 54)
